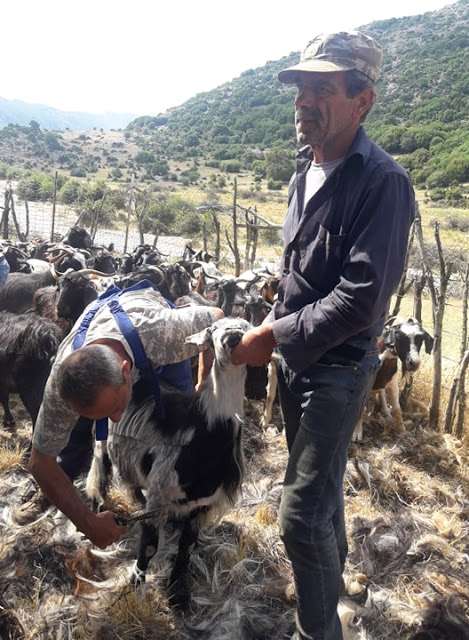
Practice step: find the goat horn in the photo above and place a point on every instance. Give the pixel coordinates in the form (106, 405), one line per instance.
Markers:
(86, 272)
(54, 272)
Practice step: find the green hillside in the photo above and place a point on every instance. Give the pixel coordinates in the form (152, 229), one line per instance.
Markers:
(246, 125)
(421, 114)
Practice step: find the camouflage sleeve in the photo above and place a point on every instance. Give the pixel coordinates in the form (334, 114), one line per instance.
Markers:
(163, 332)
(54, 422)
(163, 336)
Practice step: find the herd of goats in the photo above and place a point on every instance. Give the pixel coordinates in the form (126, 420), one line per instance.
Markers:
(52, 283)
(47, 290)
(195, 452)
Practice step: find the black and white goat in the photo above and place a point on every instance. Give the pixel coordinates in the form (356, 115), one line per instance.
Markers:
(189, 464)
(398, 342)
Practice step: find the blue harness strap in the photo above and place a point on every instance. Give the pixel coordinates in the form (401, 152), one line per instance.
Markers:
(142, 363)
(85, 323)
(178, 374)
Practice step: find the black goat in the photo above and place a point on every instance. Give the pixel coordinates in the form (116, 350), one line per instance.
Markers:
(190, 463)
(78, 237)
(76, 291)
(102, 260)
(144, 254)
(172, 280)
(28, 343)
(17, 293)
(16, 258)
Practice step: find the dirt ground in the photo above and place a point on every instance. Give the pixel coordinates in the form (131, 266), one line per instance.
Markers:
(407, 506)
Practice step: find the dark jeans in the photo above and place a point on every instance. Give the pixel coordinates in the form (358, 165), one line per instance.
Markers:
(76, 457)
(320, 408)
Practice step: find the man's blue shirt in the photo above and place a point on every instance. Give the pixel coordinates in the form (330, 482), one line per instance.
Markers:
(344, 252)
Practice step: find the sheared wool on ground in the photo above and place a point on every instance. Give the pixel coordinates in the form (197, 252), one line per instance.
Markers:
(407, 576)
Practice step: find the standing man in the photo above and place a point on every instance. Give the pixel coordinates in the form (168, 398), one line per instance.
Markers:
(345, 239)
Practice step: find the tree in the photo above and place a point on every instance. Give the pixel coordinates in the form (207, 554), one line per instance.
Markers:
(279, 165)
(458, 167)
(51, 141)
(144, 157)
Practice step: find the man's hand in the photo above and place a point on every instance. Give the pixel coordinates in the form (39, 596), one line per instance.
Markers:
(206, 359)
(100, 528)
(255, 347)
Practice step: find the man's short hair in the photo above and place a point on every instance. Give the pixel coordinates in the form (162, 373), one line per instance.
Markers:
(356, 82)
(87, 370)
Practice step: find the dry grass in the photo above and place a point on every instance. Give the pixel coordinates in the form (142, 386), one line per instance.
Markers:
(407, 506)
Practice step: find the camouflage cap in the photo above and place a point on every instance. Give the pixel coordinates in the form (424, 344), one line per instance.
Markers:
(340, 51)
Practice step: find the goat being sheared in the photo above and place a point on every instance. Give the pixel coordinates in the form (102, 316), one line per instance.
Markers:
(398, 342)
(189, 463)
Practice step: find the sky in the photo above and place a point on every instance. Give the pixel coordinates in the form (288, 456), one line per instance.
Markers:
(145, 56)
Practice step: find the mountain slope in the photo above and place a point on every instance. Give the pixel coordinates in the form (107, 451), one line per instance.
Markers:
(21, 113)
(421, 116)
(421, 113)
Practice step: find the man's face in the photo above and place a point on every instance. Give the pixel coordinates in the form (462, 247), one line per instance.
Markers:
(111, 403)
(323, 112)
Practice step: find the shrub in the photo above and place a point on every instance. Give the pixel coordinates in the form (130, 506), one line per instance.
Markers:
(273, 185)
(271, 237)
(437, 194)
(29, 188)
(457, 224)
(68, 194)
(52, 142)
(232, 167)
(78, 172)
(437, 179)
(144, 157)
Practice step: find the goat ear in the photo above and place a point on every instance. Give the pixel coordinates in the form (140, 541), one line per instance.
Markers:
(389, 337)
(428, 342)
(200, 339)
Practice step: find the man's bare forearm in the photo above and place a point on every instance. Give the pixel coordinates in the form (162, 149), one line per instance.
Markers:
(255, 347)
(101, 528)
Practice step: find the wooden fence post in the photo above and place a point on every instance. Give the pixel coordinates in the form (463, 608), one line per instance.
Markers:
(403, 288)
(235, 247)
(217, 226)
(54, 202)
(438, 310)
(464, 347)
(129, 210)
(20, 235)
(6, 213)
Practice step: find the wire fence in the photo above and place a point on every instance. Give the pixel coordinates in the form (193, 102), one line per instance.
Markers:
(43, 220)
(47, 222)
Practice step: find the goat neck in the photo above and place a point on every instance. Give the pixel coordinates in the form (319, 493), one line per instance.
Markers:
(223, 396)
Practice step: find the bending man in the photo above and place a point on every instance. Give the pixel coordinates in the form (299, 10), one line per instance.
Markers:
(95, 381)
